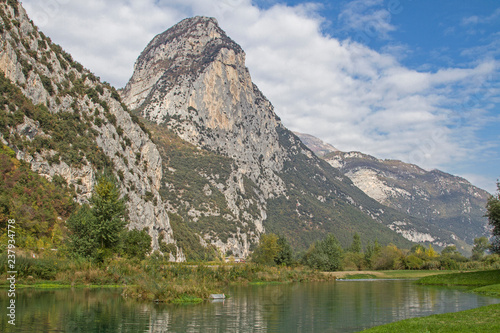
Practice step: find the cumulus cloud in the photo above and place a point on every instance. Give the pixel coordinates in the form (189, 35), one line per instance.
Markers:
(338, 90)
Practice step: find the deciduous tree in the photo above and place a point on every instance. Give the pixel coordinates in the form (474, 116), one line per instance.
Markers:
(267, 250)
(493, 214)
(481, 245)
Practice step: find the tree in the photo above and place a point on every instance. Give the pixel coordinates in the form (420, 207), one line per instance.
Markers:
(387, 258)
(325, 255)
(450, 256)
(371, 252)
(267, 250)
(431, 253)
(418, 250)
(136, 243)
(109, 211)
(450, 250)
(284, 256)
(80, 241)
(96, 228)
(481, 245)
(356, 244)
(493, 214)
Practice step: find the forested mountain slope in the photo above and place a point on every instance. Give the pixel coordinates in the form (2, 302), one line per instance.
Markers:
(440, 199)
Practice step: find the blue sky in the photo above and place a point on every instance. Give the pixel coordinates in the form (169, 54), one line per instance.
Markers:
(414, 80)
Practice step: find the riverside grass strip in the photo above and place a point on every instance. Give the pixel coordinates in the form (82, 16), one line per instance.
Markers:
(470, 279)
(484, 319)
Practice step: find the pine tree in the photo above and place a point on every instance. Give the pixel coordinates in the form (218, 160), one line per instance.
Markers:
(356, 244)
(95, 229)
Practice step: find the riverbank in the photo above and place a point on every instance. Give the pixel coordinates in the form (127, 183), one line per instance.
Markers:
(153, 279)
(485, 283)
(484, 319)
(388, 274)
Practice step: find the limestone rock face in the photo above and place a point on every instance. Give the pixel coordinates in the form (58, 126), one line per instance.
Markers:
(193, 78)
(48, 76)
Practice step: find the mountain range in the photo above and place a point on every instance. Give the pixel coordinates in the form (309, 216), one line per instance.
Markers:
(449, 202)
(202, 158)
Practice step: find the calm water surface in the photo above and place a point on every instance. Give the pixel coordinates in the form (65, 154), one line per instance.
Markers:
(342, 306)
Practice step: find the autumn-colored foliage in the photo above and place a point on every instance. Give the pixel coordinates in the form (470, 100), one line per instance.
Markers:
(37, 205)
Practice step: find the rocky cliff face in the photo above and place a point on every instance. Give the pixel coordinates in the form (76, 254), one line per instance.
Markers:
(89, 129)
(192, 81)
(440, 199)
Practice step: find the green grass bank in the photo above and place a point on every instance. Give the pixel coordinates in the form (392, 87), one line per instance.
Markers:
(483, 319)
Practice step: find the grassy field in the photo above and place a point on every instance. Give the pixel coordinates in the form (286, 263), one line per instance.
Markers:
(484, 319)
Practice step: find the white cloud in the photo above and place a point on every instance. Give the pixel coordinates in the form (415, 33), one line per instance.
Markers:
(340, 91)
(369, 17)
(473, 20)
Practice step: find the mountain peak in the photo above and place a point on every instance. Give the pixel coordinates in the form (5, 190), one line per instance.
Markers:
(187, 48)
(319, 147)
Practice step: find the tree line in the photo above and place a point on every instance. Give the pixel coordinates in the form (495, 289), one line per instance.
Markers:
(328, 254)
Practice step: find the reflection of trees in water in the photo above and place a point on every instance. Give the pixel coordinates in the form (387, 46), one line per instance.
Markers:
(242, 312)
(308, 307)
(78, 310)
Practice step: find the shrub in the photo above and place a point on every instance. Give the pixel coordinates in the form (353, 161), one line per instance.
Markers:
(388, 258)
(325, 255)
(136, 244)
(411, 262)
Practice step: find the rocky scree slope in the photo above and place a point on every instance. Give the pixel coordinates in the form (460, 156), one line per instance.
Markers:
(65, 122)
(191, 82)
(440, 199)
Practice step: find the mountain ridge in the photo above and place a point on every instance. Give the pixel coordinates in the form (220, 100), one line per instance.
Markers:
(67, 123)
(219, 109)
(439, 198)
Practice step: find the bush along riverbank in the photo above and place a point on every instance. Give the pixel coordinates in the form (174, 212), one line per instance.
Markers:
(172, 283)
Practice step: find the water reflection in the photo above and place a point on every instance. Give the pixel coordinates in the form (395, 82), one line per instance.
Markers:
(347, 306)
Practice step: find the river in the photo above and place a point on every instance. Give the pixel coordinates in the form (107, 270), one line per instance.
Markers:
(341, 306)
